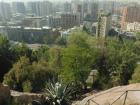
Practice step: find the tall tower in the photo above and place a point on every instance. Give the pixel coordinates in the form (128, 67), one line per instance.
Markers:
(18, 7)
(94, 9)
(85, 7)
(104, 24)
(5, 11)
(67, 7)
(46, 8)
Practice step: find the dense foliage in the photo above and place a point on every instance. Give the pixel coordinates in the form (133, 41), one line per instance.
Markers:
(71, 59)
(136, 75)
(6, 56)
(77, 59)
(25, 76)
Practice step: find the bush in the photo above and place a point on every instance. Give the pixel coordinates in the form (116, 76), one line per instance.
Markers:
(41, 73)
(25, 76)
(18, 74)
(136, 75)
(27, 86)
(58, 93)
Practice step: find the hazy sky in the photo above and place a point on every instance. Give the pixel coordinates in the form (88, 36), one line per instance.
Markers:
(31, 0)
(55, 0)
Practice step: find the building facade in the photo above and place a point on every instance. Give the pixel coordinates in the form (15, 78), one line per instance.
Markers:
(34, 8)
(54, 21)
(43, 8)
(28, 34)
(131, 14)
(32, 22)
(18, 7)
(133, 27)
(70, 20)
(104, 25)
(46, 8)
(67, 7)
(5, 11)
(94, 11)
(64, 20)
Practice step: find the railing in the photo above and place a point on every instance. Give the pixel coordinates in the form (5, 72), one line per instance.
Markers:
(125, 94)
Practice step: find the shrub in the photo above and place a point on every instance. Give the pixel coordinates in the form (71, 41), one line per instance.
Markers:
(25, 76)
(58, 93)
(136, 75)
(27, 86)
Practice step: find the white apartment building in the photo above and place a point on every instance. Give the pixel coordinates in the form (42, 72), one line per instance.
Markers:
(104, 25)
(135, 27)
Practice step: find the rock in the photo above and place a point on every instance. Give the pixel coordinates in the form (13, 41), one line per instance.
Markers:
(4, 94)
(21, 98)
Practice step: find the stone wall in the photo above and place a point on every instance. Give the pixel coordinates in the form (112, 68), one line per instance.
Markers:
(4, 94)
(17, 98)
(20, 98)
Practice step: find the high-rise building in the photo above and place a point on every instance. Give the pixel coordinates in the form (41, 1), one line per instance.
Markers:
(77, 8)
(58, 7)
(70, 20)
(54, 21)
(111, 6)
(85, 8)
(104, 25)
(64, 20)
(18, 7)
(67, 7)
(5, 11)
(46, 8)
(131, 14)
(43, 8)
(34, 8)
(32, 22)
(94, 11)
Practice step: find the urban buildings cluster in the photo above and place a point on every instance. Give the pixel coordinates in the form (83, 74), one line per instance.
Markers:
(97, 16)
(131, 18)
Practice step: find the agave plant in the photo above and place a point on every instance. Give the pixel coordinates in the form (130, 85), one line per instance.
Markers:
(58, 93)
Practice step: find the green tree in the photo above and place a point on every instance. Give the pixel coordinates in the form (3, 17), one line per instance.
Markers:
(6, 58)
(136, 49)
(61, 41)
(18, 74)
(19, 50)
(55, 58)
(138, 35)
(86, 29)
(77, 59)
(136, 75)
(42, 53)
(115, 63)
(27, 86)
(125, 67)
(50, 39)
(79, 39)
(25, 76)
(76, 62)
(40, 74)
